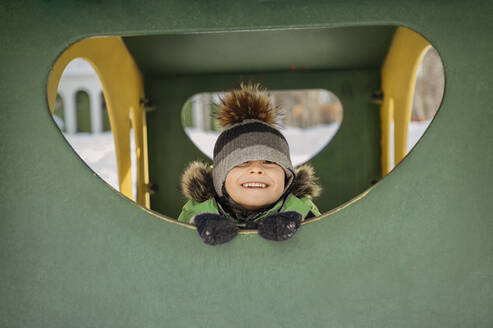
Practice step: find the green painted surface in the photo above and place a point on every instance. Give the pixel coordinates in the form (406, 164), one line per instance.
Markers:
(415, 252)
(247, 51)
(346, 167)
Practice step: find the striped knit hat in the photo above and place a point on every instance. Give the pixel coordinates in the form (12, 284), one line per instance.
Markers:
(250, 134)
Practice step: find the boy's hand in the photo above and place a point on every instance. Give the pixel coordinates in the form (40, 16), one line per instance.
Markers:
(279, 226)
(215, 229)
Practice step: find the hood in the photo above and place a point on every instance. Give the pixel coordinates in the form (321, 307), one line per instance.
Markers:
(196, 182)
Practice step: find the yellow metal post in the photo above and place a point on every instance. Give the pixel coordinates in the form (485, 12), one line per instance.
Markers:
(123, 89)
(398, 82)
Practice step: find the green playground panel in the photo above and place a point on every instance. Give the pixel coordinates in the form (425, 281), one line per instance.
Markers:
(416, 251)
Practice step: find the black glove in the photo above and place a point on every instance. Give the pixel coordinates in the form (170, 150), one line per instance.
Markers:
(279, 226)
(215, 229)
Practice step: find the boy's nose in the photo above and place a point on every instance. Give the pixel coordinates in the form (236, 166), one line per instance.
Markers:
(255, 169)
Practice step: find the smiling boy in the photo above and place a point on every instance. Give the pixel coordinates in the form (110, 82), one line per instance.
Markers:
(255, 184)
(252, 184)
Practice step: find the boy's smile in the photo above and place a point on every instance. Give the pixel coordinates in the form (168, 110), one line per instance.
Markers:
(255, 184)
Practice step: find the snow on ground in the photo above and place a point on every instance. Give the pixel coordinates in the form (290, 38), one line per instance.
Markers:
(414, 133)
(98, 150)
(416, 130)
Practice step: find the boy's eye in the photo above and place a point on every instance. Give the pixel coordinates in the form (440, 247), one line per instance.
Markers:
(269, 162)
(244, 164)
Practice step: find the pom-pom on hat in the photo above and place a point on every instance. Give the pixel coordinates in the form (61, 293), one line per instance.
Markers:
(250, 134)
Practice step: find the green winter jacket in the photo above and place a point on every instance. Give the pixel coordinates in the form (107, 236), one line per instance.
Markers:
(196, 185)
(303, 206)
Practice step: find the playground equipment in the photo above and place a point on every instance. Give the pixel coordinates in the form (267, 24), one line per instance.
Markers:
(413, 250)
(399, 49)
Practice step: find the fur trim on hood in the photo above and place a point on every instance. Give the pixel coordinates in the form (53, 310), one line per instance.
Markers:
(196, 182)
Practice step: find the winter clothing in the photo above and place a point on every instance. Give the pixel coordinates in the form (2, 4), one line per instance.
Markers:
(196, 186)
(215, 229)
(279, 226)
(249, 141)
(250, 134)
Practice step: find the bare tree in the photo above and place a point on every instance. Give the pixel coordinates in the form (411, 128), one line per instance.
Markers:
(430, 83)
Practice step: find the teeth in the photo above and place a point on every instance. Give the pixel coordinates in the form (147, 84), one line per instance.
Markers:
(254, 185)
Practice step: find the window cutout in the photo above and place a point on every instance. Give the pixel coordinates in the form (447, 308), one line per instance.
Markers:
(353, 162)
(311, 119)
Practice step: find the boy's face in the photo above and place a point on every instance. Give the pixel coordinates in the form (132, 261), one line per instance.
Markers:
(255, 184)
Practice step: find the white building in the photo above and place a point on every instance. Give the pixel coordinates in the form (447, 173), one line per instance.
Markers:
(79, 76)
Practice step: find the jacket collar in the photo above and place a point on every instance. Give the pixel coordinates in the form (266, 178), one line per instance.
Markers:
(196, 182)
